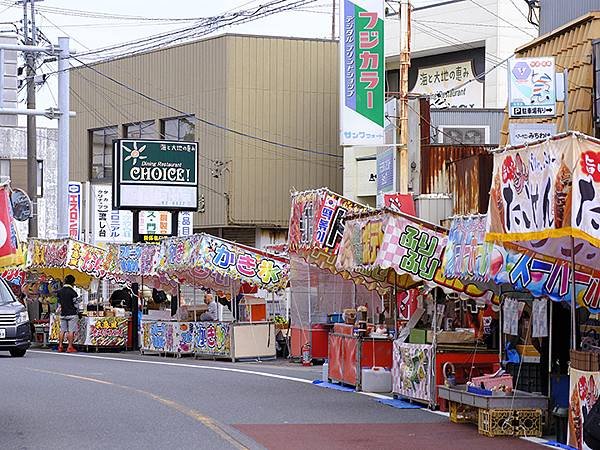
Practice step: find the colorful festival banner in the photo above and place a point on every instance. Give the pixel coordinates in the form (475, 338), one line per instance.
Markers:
(94, 331)
(60, 257)
(545, 194)
(213, 262)
(470, 259)
(393, 241)
(206, 338)
(316, 227)
(362, 79)
(9, 255)
(583, 394)
(411, 370)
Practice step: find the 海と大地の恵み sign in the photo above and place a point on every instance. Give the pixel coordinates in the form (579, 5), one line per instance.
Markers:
(155, 174)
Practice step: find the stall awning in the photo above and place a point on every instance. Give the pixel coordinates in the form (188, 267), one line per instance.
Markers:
(469, 258)
(137, 263)
(316, 228)
(544, 202)
(61, 257)
(207, 261)
(406, 245)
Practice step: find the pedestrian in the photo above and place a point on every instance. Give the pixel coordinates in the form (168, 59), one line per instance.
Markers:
(67, 300)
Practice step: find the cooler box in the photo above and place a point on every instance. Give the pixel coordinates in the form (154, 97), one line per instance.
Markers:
(252, 309)
(376, 379)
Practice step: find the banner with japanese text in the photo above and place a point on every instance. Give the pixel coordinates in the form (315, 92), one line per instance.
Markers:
(109, 225)
(204, 257)
(392, 241)
(362, 78)
(583, 394)
(60, 257)
(545, 194)
(470, 259)
(317, 223)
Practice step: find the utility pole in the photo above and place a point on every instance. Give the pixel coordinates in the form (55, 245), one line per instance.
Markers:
(333, 20)
(30, 62)
(405, 10)
(62, 173)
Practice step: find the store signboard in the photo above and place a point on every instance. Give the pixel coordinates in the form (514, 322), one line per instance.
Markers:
(109, 225)
(450, 86)
(186, 224)
(532, 87)
(155, 175)
(362, 77)
(74, 211)
(522, 133)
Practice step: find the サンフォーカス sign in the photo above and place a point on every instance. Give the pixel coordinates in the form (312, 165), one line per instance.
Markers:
(155, 174)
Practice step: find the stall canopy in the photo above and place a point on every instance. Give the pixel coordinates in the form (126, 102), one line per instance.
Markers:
(316, 227)
(469, 258)
(61, 257)
(411, 247)
(137, 263)
(544, 202)
(206, 261)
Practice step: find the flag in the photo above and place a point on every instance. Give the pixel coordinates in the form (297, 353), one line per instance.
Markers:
(8, 235)
(400, 202)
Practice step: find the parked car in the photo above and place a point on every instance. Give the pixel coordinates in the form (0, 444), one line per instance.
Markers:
(15, 329)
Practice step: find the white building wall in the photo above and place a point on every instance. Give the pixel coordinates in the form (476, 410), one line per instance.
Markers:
(13, 145)
(462, 26)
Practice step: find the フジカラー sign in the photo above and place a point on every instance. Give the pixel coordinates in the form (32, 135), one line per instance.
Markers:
(362, 77)
(156, 175)
(532, 90)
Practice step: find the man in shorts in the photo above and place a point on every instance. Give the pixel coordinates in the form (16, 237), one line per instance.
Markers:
(67, 300)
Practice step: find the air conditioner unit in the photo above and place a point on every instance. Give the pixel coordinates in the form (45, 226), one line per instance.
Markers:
(463, 134)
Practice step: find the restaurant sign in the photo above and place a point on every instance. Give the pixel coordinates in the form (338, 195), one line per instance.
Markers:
(156, 175)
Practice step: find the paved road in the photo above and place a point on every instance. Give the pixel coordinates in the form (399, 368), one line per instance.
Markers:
(52, 400)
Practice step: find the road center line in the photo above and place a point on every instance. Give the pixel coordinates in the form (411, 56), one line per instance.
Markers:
(208, 422)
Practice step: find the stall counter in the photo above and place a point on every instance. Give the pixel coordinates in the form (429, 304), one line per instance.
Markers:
(349, 354)
(231, 340)
(96, 332)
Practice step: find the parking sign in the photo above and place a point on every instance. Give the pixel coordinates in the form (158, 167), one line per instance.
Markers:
(532, 89)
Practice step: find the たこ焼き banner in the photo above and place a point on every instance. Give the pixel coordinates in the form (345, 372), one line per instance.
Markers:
(362, 79)
(155, 175)
(583, 394)
(545, 194)
(468, 258)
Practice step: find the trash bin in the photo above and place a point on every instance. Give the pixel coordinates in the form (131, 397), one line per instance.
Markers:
(561, 416)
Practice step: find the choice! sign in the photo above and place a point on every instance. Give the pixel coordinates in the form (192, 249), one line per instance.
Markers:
(155, 175)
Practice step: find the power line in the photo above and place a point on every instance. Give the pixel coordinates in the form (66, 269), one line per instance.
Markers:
(501, 18)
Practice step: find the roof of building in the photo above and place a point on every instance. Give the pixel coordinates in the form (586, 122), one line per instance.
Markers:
(571, 46)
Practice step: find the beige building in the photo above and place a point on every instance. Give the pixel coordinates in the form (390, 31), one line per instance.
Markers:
(230, 93)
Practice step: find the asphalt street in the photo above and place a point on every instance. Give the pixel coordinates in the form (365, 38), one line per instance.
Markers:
(90, 401)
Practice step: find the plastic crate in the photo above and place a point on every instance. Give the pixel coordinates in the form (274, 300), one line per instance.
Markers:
(506, 422)
(530, 378)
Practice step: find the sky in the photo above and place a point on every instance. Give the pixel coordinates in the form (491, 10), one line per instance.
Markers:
(86, 33)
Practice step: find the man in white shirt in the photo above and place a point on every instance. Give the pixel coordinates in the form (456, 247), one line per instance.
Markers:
(212, 312)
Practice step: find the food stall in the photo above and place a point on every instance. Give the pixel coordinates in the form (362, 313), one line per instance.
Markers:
(212, 263)
(386, 240)
(320, 291)
(544, 203)
(55, 259)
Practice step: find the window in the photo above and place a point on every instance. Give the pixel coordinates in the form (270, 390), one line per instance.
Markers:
(4, 170)
(40, 178)
(140, 130)
(102, 152)
(179, 128)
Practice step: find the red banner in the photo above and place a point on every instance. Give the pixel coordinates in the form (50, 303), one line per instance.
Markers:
(400, 202)
(8, 240)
